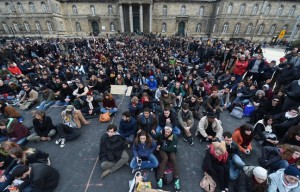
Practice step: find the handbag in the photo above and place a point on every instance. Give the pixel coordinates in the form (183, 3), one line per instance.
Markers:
(104, 117)
(207, 183)
(237, 112)
(142, 186)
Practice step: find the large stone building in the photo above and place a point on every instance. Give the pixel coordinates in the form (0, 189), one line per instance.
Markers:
(250, 19)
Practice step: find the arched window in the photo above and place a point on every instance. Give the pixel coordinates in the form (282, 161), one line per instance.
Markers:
(292, 10)
(260, 29)
(20, 7)
(8, 7)
(218, 10)
(93, 11)
(267, 9)
(249, 29)
(279, 10)
(225, 28)
(201, 11)
(16, 26)
(242, 9)
(255, 9)
(26, 25)
(49, 25)
(44, 7)
(285, 27)
(214, 28)
(110, 10)
(164, 28)
(112, 27)
(32, 7)
(183, 10)
(237, 28)
(5, 27)
(61, 26)
(272, 29)
(229, 8)
(198, 28)
(78, 27)
(38, 26)
(165, 10)
(74, 9)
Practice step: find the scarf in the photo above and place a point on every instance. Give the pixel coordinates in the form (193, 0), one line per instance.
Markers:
(221, 158)
(90, 103)
(288, 116)
(288, 186)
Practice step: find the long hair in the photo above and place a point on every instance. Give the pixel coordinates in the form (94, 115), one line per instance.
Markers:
(21, 153)
(148, 138)
(244, 128)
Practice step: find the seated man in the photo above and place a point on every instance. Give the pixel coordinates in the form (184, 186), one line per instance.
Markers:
(167, 100)
(112, 153)
(213, 103)
(169, 118)
(48, 98)
(29, 98)
(178, 91)
(135, 107)
(128, 127)
(194, 107)
(147, 121)
(186, 122)
(90, 105)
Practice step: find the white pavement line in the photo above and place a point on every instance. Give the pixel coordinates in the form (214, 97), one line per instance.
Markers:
(92, 172)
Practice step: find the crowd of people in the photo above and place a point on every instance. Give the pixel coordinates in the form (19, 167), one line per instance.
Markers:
(178, 85)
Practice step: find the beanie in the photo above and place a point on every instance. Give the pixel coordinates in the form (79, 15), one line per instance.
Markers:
(292, 171)
(260, 173)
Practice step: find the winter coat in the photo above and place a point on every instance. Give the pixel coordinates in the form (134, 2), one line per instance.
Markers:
(232, 149)
(33, 96)
(128, 128)
(276, 183)
(240, 67)
(260, 66)
(216, 126)
(162, 119)
(109, 103)
(143, 125)
(48, 96)
(111, 148)
(142, 150)
(168, 144)
(245, 182)
(9, 111)
(185, 117)
(167, 101)
(237, 137)
(42, 128)
(209, 102)
(16, 131)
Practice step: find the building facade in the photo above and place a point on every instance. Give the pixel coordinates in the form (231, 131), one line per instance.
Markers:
(254, 20)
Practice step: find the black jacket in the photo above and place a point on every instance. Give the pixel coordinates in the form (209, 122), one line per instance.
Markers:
(42, 128)
(162, 119)
(111, 148)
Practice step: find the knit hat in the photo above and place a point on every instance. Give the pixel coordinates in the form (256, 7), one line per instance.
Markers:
(282, 59)
(220, 145)
(151, 77)
(70, 108)
(164, 92)
(260, 173)
(168, 128)
(266, 86)
(292, 171)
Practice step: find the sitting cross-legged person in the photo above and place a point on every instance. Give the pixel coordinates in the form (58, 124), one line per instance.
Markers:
(29, 98)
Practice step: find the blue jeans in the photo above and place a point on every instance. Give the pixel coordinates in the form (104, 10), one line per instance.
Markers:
(152, 162)
(22, 141)
(235, 166)
(223, 104)
(239, 100)
(279, 165)
(62, 103)
(130, 138)
(45, 105)
(175, 131)
(8, 181)
(111, 111)
(3, 138)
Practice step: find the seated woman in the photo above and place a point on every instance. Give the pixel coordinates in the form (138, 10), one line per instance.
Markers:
(263, 131)
(135, 107)
(243, 137)
(43, 127)
(27, 156)
(80, 94)
(91, 105)
(146, 100)
(66, 95)
(11, 129)
(215, 164)
(143, 148)
(167, 148)
(9, 111)
(259, 99)
(109, 104)
(293, 136)
(6, 159)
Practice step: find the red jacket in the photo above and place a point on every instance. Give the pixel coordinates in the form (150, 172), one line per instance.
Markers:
(240, 67)
(15, 70)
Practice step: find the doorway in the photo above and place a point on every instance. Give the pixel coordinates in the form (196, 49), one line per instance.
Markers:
(181, 29)
(95, 27)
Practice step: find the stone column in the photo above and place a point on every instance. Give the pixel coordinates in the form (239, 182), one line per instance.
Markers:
(130, 18)
(150, 18)
(141, 18)
(121, 18)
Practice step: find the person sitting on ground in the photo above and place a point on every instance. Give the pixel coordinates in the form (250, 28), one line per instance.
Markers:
(285, 180)
(9, 111)
(29, 98)
(65, 95)
(43, 127)
(215, 164)
(243, 137)
(6, 159)
(178, 91)
(259, 99)
(48, 99)
(252, 179)
(109, 104)
(167, 148)
(292, 137)
(128, 128)
(263, 131)
(209, 128)
(6, 91)
(91, 105)
(194, 106)
(11, 129)
(186, 122)
(28, 156)
(225, 98)
(234, 157)
(167, 100)
(112, 153)
(135, 107)
(147, 122)
(213, 104)
(169, 118)
(292, 91)
(143, 148)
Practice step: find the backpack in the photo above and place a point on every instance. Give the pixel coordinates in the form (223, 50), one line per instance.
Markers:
(248, 110)
(104, 117)
(207, 183)
(237, 112)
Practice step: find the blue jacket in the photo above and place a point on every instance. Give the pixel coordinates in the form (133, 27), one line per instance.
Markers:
(142, 150)
(152, 84)
(128, 128)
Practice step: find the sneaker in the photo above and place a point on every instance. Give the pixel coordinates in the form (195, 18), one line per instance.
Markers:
(160, 183)
(191, 141)
(201, 140)
(58, 141)
(177, 185)
(185, 138)
(135, 170)
(62, 143)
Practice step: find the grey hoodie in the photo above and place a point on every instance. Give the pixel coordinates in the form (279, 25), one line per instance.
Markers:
(276, 183)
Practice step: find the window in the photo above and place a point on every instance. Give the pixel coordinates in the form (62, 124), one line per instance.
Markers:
(214, 28)
(272, 29)
(78, 27)
(74, 9)
(260, 29)
(165, 10)
(225, 28)
(279, 10)
(229, 8)
(16, 26)
(249, 29)
(201, 11)
(183, 10)
(44, 7)
(285, 27)
(164, 28)
(255, 9)
(242, 9)
(292, 10)
(218, 10)
(20, 7)
(32, 7)
(4, 25)
(198, 28)
(112, 27)
(8, 7)
(61, 26)
(93, 11)
(49, 25)
(237, 28)
(38, 26)
(110, 10)
(27, 27)
(267, 10)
